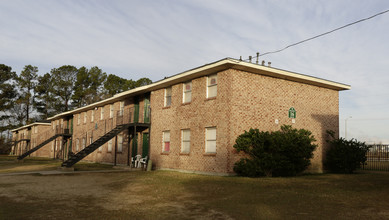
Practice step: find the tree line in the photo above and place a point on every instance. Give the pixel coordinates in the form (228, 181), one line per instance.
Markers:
(28, 97)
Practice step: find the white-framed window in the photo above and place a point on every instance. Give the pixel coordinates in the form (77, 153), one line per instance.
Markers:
(165, 141)
(90, 139)
(120, 143)
(111, 111)
(168, 97)
(52, 146)
(101, 148)
(78, 118)
(187, 92)
(77, 144)
(121, 108)
(210, 140)
(56, 146)
(60, 145)
(92, 117)
(185, 141)
(83, 143)
(36, 129)
(212, 86)
(84, 117)
(109, 146)
(101, 112)
(61, 123)
(53, 125)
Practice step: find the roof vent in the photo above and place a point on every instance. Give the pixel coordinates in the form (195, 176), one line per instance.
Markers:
(263, 63)
(269, 64)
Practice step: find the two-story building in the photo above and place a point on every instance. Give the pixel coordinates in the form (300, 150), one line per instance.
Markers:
(190, 121)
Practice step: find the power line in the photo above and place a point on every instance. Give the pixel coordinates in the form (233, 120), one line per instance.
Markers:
(320, 35)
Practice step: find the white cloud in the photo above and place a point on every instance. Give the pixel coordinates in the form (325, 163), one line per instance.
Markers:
(155, 39)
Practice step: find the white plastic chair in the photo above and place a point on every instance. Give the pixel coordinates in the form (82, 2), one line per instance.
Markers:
(137, 160)
(143, 161)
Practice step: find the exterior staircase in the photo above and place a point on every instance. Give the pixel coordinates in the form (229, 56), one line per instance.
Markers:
(96, 144)
(38, 147)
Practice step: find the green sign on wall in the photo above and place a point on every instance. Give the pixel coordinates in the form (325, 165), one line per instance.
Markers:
(292, 113)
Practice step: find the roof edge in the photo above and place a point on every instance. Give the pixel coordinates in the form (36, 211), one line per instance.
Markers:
(210, 68)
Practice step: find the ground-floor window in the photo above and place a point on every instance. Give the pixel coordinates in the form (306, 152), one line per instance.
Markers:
(210, 140)
(109, 146)
(166, 141)
(120, 143)
(185, 141)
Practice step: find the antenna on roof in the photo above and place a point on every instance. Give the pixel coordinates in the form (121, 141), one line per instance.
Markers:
(257, 57)
(250, 57)
(240, 59)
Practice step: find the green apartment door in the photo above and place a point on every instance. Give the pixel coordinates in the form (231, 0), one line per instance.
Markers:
(135, 146)
(136, 109)
(145, 145)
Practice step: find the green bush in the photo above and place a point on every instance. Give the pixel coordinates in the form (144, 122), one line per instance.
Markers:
(281, 153)
(345, 156)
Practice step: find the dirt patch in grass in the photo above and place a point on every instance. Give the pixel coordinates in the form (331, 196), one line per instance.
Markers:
(9, 164)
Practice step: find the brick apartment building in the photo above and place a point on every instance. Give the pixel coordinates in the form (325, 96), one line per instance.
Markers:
(28, 137)
(190, 121)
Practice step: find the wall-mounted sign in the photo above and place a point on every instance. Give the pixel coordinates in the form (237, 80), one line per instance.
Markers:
(292, 113)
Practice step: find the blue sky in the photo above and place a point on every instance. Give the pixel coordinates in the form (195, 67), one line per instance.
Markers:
(154, 39)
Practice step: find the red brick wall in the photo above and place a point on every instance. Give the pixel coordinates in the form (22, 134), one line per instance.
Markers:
(196, 116)
(244, 100)
(257, 101)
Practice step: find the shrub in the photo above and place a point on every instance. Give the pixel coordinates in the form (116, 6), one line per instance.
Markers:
(345, 156)
(281, 153)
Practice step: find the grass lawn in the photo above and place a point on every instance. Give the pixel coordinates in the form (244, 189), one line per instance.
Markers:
(174, 195)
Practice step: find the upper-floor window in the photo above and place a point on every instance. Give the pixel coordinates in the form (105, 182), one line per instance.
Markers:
(84, 117)
(187, 93)
(92, 117)
(168, 97)
(36, 129)
(77, 144)
(212, 86)
(121, 108)
(210, 140)
(185, 141)
(78, 118)
(101, 112)
(166, 141)
(111, 111)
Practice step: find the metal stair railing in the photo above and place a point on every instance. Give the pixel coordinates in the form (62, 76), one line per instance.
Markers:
(103, 131)
(45, 138)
